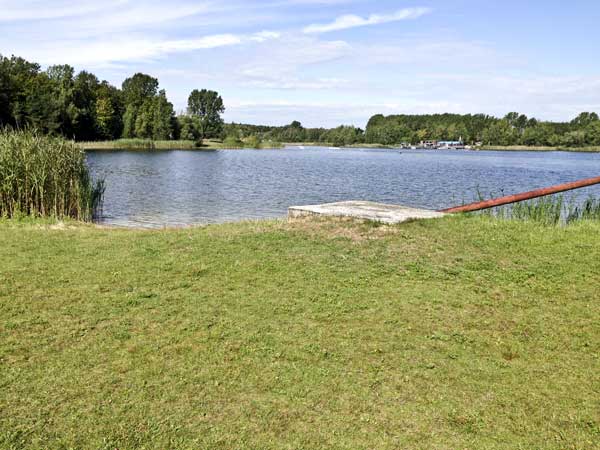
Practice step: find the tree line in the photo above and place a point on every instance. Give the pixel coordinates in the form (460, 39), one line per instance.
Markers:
(513, 129)
(79, 106)
(295, 132)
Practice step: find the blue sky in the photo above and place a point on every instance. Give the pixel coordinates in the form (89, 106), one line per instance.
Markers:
(329, 62)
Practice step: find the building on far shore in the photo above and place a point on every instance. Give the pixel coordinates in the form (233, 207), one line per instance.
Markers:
(429, 144)
(451, 145)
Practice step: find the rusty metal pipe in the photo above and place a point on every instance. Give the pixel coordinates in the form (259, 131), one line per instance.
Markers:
(524, 196)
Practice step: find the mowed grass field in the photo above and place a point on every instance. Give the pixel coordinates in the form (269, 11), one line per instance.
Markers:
(460, 333)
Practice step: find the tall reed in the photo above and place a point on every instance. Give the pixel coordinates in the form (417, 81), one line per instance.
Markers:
(139, 144)
(46, 177)
(551, 210)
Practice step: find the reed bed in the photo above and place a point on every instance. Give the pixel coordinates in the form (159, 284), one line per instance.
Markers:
(45, 176)
(551, 210)
(139, 144)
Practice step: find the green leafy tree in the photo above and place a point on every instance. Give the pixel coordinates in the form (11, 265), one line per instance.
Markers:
(584, 119)
(105, 113)
(592, 133)
(189, 128)
(163, 117)
(129, 119)
(83, 107)
(138, 92)
(500, 133)
(138, 88)
(208, 107)
(144, 121)
(62, 81)
(109, 111)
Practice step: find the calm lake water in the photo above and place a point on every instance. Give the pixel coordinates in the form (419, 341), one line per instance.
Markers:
(172, 188)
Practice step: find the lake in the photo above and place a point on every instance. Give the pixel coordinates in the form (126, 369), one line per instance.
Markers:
(175, 188)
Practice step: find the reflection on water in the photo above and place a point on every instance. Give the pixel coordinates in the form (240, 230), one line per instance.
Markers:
(155, 189)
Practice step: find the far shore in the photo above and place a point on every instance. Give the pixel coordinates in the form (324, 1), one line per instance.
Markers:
(143, 144)
(513, 148)
(212, 145)
(525, 148)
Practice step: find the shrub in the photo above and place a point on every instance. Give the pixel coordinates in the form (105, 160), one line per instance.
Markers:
(253, 141)
(232, 142)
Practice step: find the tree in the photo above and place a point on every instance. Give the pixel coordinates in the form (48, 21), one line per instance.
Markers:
(144, 120)
(163, 117)
(85, 93)
(129, 121)
(208, 107)
(541, 134)
(584, 119)
(109, 111)
(500, 133)
(592, 133)
(139, 88)
(573, 139)
(189, 128)
(62, 81)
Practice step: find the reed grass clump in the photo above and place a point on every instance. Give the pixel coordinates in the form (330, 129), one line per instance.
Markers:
(45, 176)
(140, 144)
(552, 210)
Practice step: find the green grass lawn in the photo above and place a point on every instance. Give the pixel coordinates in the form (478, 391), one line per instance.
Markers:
(460, 333)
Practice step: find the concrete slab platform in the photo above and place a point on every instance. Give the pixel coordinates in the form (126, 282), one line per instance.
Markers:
(379, 212)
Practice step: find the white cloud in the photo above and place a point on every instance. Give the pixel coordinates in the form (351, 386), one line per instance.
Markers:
(42, 10)
(105, 15)
(261, 79)
(105, 52)
(263, 36)
(352, 21)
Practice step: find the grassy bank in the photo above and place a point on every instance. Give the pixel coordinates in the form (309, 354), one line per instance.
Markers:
(525, 148)
(147, 144)
(465, 332)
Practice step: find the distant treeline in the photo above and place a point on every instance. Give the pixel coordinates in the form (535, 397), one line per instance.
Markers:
(81, 107)
(295, 132)
(513, 129)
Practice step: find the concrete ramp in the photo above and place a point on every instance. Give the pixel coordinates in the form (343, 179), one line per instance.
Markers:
(379, 212)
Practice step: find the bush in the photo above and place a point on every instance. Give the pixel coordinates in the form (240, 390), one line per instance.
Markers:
(232, 142)
(253, 142)
(45, 177)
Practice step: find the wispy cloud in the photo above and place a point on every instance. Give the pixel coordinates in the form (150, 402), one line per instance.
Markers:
(107, 51)
(263, 36)
(41, 10)
(352, 21)
(107, 13)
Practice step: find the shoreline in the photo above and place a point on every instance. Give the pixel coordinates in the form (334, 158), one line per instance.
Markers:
(487, 148)
(524, 148)
(211, 145)
(149, 145)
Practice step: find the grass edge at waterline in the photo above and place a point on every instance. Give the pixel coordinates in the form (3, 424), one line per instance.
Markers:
(45, 176)
(552, 210)
(206, 145)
